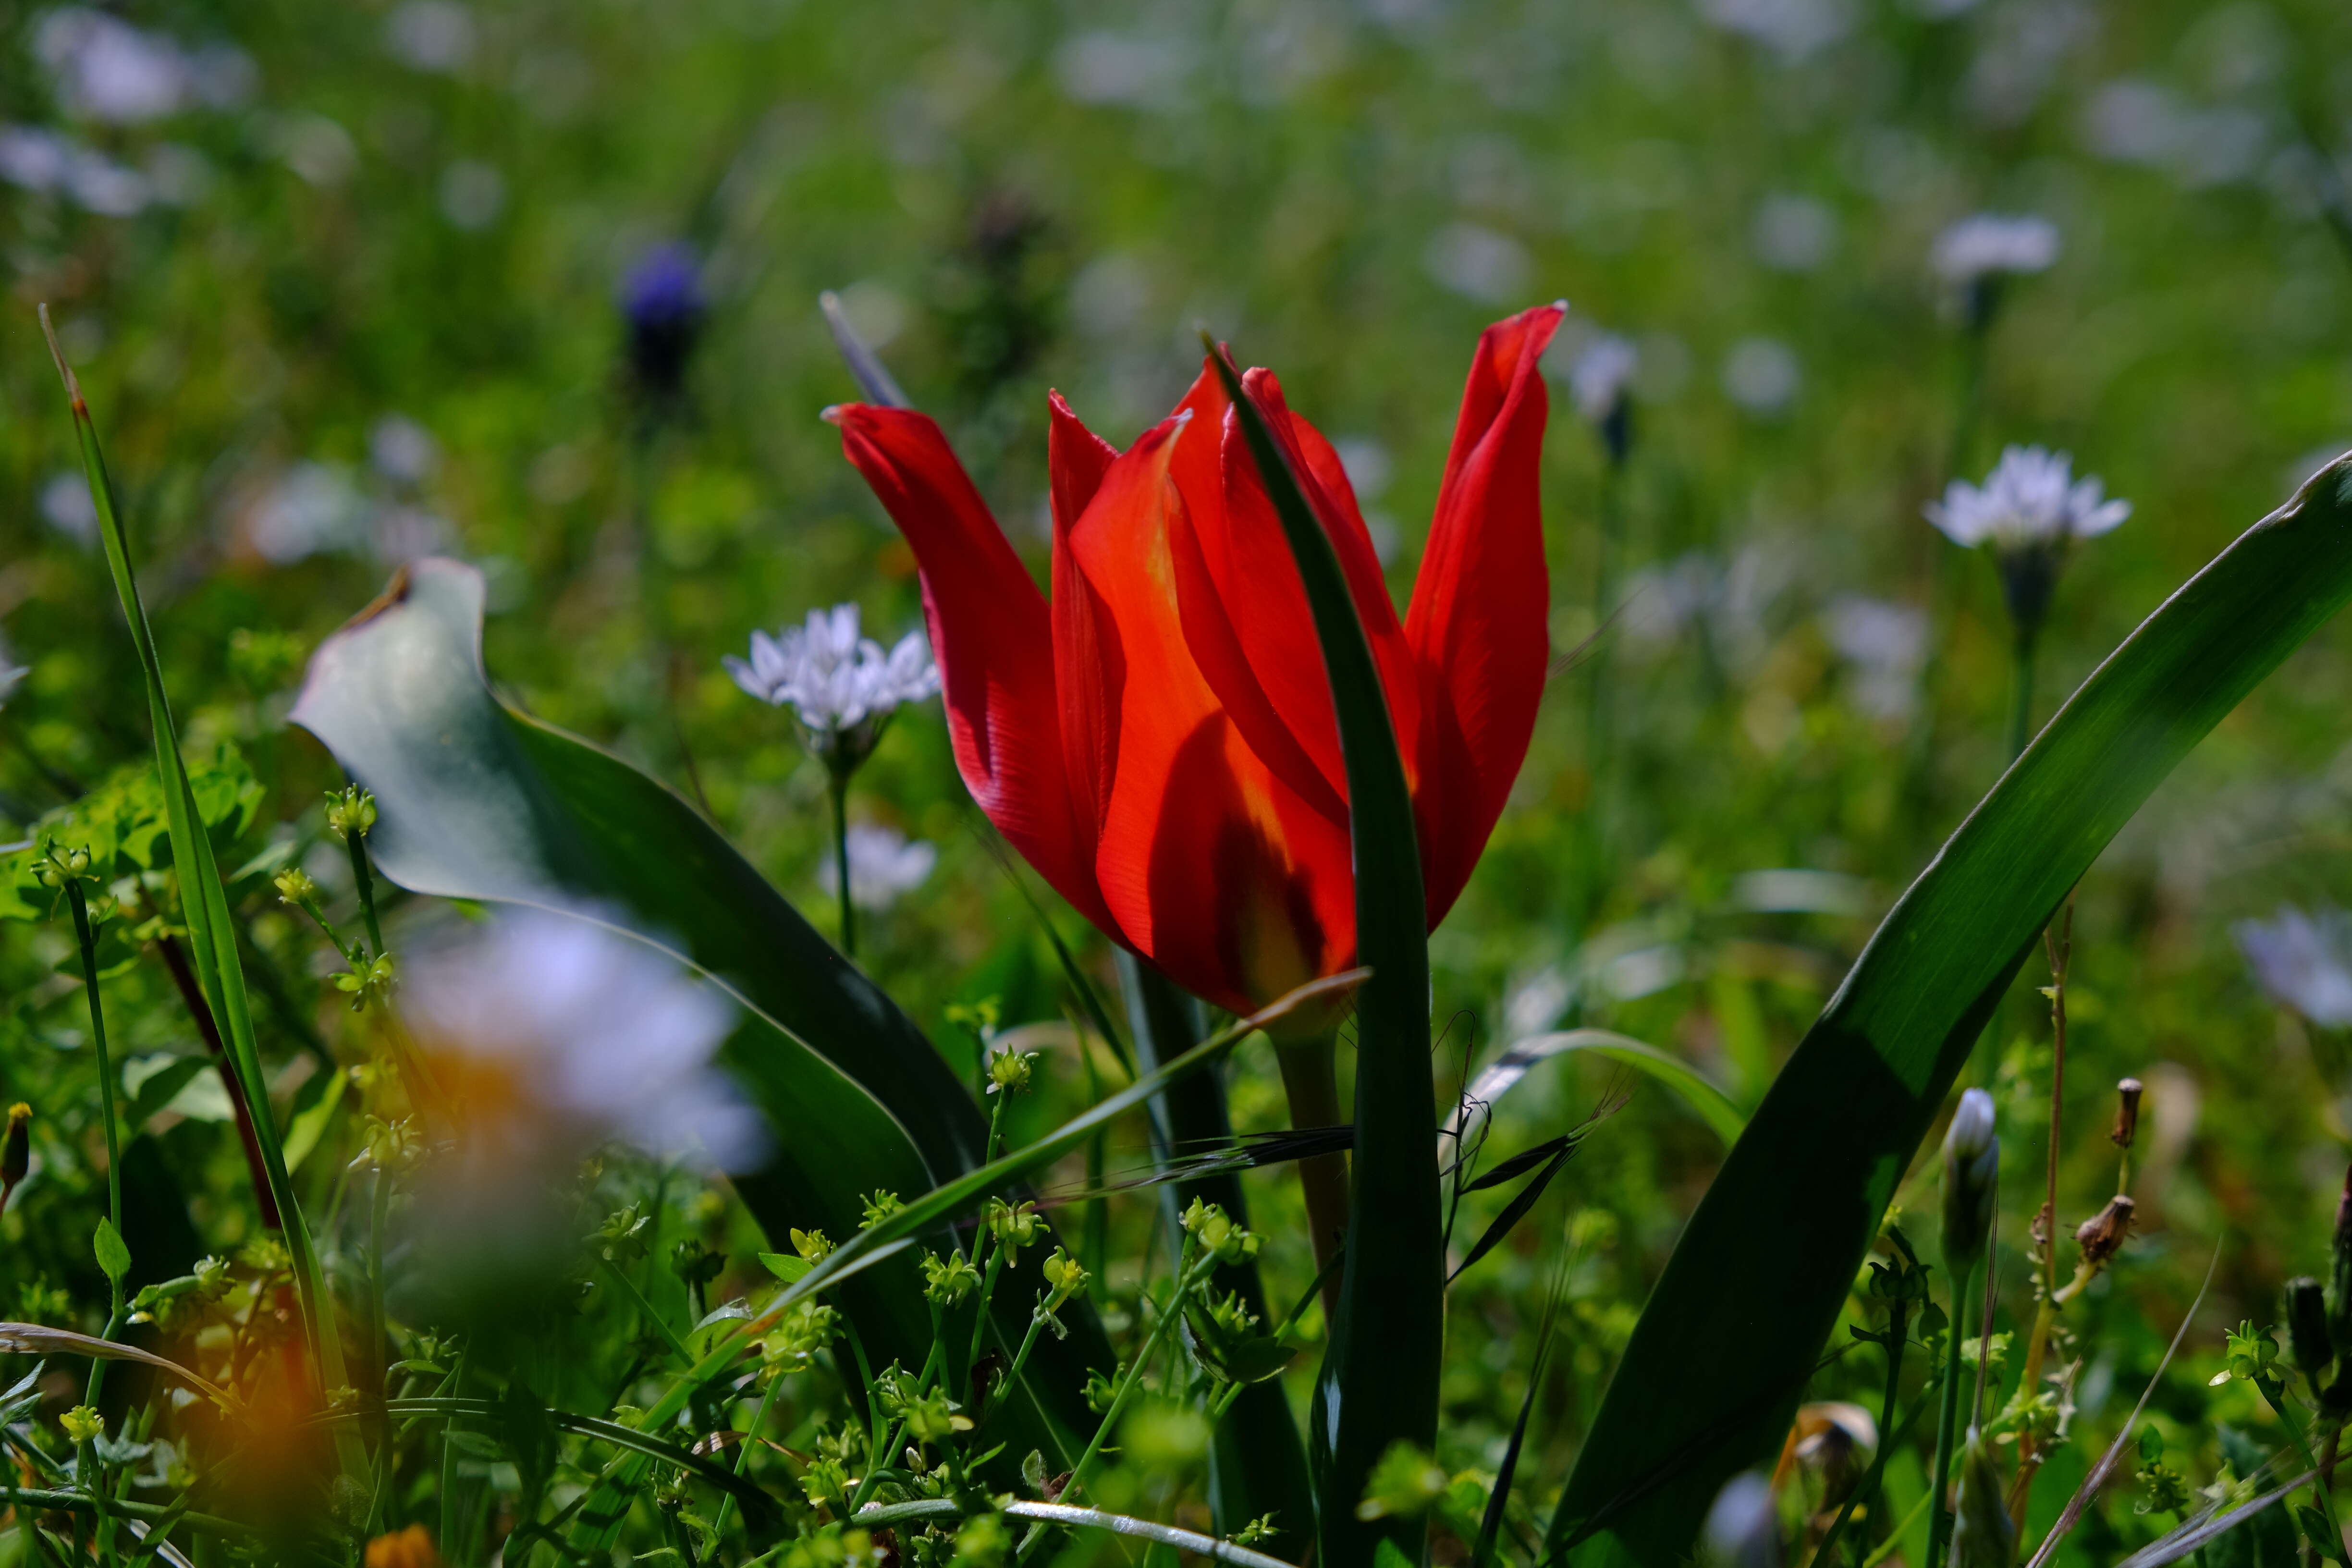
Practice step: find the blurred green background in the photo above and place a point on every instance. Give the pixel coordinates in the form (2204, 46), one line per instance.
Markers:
(343, 285)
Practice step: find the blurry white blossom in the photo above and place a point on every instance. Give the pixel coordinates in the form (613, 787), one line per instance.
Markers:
(1988, 244)
(1793, 234)
(1477, 263)
(431, 34)
(473, 194)
(38, 159)
(884, 863)
(551, 1034)
(1602, 375)
(65, 506)
(1886, 645)
(2132, 120)
(1367, 464)
(1762, 375)
(1136, 70)
(316, 148)
(2303, 962)
(2029, 499)
(834, 678)
(310, 509)
(403, 450)
(11, 675)
(105, 68)
(1793, 29)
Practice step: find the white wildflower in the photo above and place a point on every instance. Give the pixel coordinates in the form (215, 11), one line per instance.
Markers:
(551, 1034)
(310, 509)
(1989, 245)
(884, 863)
(65, 506)
(431, 34)
(841, 683)
(1793, 29)
(403, 451)
(2303, 962)
(2030, 500)
(1762, 375)
(1602, 375)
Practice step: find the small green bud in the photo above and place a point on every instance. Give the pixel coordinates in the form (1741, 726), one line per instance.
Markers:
(949, 1279)
(1064, 1279)
(348, 811)
(369, 980)
(879, 1206)
(1971, 1167)
(1008, 1071)
(1014, 1226)
(2249, 1356)
(826, 1482)
(812, 1245)
(296, 887)
(1218, 1235)
(933, 1418)
(82, 1423)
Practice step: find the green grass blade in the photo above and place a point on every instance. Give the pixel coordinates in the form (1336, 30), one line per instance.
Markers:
(1678, 1076)
(1257, 1463)
(1721, 1355)
(1379, 1382)
(211, 932)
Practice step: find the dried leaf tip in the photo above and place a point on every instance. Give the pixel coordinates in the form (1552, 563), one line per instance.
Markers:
(65, 370)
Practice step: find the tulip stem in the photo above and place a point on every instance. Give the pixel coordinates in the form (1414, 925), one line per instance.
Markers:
(1310, 1081)
(840, 793)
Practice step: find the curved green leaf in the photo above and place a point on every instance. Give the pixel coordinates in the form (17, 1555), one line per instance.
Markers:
(1671, 1072)
(1378, 1382)
(478, 802)
(1721, 1354)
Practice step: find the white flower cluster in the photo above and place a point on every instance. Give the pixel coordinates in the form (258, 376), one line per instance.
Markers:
(1988, 245)
(568, 1035)
(2303, 962)
(835, 678)
(883, 864)
(2030, 500)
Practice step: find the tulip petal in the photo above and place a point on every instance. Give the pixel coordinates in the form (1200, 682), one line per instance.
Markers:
(1089, 669)
(1212, 869)
(1480, 604)
(992, 636)
(1246, 611)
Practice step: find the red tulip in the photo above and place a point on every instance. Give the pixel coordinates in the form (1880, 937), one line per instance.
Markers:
(1160, 741)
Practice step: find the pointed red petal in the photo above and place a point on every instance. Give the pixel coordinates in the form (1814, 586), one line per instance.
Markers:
(1480, 604)
(1213, 870)
(992, 639)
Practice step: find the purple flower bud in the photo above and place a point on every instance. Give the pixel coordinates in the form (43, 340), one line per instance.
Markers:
(663, 303)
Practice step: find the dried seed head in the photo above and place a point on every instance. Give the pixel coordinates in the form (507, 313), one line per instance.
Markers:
(2127, 1093)
(2104, 1232)
(2307, 1339)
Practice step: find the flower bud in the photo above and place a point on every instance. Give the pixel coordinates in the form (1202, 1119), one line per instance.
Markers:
(1982, 1535)
(1971, 1165)
(2308, 1342)
(2127, 1093)
(949, 1279)
(1218, 1235)
(1064, 1279)
(82, 1423)
(812, 1245)
(1008, 1071)
(1743, 1527)
(350, 811)
(1014, 1226)
(879, 1206)
(2104, 1232)
(295, 887)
